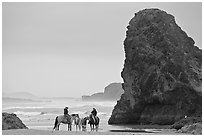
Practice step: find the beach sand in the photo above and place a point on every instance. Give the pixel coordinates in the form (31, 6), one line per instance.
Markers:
(115, 132)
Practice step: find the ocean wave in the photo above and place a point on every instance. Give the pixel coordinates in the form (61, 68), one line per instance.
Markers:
(21, 107)
(78, 112)
(102, 113)
(57, 104)
(31, 113)
(77, 104)
(27, 113)
(99, 105)
(86, 113)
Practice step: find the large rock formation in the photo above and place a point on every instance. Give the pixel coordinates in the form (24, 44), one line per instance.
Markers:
(195, 128)
(186, 121)
(11, 121)
(111, 93)
(162, 72)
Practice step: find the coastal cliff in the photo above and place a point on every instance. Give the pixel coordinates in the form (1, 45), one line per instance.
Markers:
(111, 92)
(162, 72)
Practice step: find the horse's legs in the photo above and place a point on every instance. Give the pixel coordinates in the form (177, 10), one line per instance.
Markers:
(70, 127)
(91, 127)
(96, 127)
(76, 126)
(58, 126)
(83, 127)
(79, 127)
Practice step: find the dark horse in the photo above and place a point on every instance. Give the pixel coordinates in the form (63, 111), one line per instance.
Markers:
(93, 123)
(63, 119)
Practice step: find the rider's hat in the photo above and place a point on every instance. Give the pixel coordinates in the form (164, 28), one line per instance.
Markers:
(66, 108)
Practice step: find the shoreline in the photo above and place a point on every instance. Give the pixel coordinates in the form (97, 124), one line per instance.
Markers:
(113, 132)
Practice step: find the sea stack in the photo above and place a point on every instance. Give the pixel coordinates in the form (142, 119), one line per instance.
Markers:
(11, 121)
(162, 72)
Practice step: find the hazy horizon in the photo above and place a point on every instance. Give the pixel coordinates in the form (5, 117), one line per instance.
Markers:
(74, 49)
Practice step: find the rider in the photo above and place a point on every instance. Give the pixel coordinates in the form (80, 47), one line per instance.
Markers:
(94, 113)
(66, 111)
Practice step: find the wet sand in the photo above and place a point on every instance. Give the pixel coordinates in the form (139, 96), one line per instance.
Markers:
(111, 132)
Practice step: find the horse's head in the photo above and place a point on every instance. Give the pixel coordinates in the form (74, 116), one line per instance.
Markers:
(87, 117)
(84, 120)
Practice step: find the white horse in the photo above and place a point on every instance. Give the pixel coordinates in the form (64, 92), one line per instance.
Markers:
(84, 122)
(77, 121)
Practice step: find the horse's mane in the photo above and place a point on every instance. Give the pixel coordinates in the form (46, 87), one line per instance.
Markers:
(75, 115)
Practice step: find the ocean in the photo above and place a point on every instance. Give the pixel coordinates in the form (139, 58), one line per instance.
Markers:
(41, 113)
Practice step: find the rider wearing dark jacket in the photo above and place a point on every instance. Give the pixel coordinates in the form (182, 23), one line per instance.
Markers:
(66, 111)
(94, 112)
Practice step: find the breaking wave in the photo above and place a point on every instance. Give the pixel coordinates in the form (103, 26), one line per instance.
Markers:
(27, 113)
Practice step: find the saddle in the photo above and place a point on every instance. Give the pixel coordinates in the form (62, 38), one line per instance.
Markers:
(67, 117)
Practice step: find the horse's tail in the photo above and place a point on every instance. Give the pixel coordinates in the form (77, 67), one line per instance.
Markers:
(56, 121)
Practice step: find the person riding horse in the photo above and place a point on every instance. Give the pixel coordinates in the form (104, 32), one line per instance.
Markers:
(66, 112)
(93, 114)
(65, 119)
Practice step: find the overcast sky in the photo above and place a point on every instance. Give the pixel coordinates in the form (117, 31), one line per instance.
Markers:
(74, 49)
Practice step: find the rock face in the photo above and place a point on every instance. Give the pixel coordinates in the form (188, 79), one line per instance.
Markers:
(162, 72)
(195, 128)
(112, 92)
(94, 97)
(191, 125)
(11, 121)
(186, 121)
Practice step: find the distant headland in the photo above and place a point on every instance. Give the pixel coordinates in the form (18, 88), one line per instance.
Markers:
(111, 93)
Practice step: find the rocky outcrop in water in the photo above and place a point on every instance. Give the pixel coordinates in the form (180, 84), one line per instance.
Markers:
(162, 72)
(191, 125)
(186, 121)
(195, 129)
(11, 121)
(111, 93)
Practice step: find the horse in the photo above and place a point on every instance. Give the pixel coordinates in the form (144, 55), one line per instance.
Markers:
(94, 123)
(84, 122)
(76, 120)
(63, 119)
